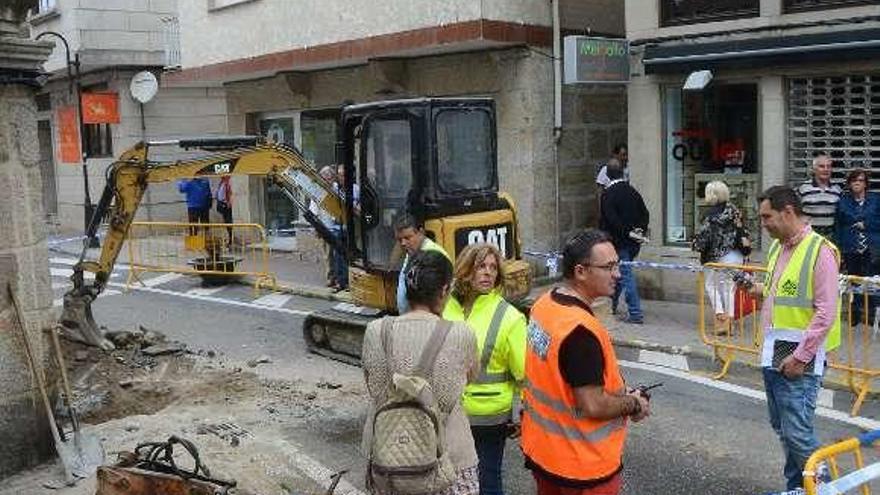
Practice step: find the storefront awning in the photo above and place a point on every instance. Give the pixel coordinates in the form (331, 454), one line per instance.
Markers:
(762, 52)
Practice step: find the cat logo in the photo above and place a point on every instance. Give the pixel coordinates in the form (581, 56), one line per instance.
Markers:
(222, 167)
(499, 235)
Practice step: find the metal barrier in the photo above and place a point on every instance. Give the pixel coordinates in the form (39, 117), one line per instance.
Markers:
(852, 365)
(859, 474)
(211, 250)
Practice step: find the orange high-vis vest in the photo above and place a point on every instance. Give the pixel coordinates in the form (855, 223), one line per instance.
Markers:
(555, 435)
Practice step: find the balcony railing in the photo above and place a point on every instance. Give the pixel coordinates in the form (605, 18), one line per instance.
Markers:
(171, 42)
(677, 12)
(805, 5)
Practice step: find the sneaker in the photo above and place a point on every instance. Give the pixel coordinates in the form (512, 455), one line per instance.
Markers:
(631, 320)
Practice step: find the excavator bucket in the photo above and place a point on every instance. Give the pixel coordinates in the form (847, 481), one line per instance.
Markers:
(77, 322)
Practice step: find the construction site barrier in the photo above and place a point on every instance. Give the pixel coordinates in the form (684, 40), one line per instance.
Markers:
(853, 365)
(846, 477)
(214, 251)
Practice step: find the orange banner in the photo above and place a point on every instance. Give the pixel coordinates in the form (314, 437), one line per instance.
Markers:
(100, 108)
(68, 135)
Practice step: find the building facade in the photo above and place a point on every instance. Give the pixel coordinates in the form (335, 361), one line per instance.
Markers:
(288, 71)
(781, 81)
(114, 41)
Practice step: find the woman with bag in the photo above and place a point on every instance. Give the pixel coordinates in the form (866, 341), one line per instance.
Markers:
(721, 238)
(433, 359)
(857, 235)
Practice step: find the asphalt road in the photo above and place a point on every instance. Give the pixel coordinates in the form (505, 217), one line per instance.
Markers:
(700, 439)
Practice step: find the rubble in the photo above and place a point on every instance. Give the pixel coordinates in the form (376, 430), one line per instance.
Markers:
(165, 348)
(253, 363)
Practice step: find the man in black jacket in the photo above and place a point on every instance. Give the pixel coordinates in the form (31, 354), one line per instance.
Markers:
(625, 217)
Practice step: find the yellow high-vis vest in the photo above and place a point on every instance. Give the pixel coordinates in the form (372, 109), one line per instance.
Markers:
(793, 299)
(501, 341)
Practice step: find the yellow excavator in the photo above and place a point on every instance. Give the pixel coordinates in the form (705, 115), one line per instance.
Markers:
(434, 158)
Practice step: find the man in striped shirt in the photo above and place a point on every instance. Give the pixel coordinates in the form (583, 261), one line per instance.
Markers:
(819, 196)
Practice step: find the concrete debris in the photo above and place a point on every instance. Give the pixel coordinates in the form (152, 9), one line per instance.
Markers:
(328, 385)
(260, 360)
(165, 348)
(81, 355)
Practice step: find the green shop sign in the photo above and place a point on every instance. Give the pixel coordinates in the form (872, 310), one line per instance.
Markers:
(596, 60)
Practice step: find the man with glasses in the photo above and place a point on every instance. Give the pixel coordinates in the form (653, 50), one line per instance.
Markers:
(575, 402)
(625, 216)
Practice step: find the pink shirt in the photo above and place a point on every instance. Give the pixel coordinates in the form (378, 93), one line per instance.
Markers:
(825, 294)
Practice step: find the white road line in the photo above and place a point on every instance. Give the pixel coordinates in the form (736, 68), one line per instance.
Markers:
(109, 292)
(67, 273)
(205, 291)
(676, 361)
(73, 261)
(60, 285)
(161, 279)
(218, 300)
(825, 412)
(274, 300)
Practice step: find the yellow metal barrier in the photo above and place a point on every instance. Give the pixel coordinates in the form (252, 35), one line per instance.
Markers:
(206, 249)
(857, 474)
(852, 365)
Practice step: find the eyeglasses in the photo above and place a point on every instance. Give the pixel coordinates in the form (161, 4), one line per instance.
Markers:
(613, 266)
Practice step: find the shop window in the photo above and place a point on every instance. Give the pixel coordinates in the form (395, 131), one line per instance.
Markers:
(98, 140)
(677, 12)
(710, 135)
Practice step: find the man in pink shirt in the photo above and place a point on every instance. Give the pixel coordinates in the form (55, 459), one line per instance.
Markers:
(800, 317)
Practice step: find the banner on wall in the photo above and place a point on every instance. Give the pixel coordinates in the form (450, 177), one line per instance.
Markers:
(68, 135)
(100, 108)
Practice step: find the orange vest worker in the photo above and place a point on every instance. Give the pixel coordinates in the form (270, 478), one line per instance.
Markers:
(555, 436)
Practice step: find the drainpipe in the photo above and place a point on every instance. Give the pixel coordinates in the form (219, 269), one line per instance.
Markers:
(557, 106)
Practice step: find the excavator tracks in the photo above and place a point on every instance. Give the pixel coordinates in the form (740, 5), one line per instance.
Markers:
(338, 333)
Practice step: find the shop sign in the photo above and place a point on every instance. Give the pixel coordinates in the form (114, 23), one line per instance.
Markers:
(596, 60)
(68, 135)
(100, 108)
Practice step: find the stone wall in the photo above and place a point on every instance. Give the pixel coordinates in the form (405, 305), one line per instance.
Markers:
(24, 262)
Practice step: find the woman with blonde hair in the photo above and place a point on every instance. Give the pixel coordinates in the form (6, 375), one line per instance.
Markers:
(477, 298)
(721, 238)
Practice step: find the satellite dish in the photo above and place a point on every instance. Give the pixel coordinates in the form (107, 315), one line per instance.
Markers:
(144, 86)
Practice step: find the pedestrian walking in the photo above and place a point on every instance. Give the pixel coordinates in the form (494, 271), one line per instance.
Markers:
(501, 344)
(410, 234)
(394, 355)
(223, 196)
(576, 405)
(819, 196)
(721, 238)
(800, 318)
(625, 216)
(857, 233)
(198, 200)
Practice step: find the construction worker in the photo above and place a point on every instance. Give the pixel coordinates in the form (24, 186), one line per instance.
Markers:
(410, 234)
(575, 403)
(800, 318)
(501, 343)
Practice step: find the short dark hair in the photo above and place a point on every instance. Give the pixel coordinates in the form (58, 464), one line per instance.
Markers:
(855, 173)
(614, 169)
(408, 221)
(579, 248)
(780, 197)
(617, 147)
(426, 274)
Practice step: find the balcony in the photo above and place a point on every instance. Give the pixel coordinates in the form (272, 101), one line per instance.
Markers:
(791, 6)
(680, 12)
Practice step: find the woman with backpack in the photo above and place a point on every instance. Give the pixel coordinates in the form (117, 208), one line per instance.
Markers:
(417, 437)
(721, 238)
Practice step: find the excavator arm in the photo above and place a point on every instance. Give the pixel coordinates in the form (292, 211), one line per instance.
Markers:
(129, 177)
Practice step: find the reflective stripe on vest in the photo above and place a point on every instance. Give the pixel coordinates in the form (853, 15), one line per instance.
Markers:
(489, 348)
(794, 312)
(594, 436)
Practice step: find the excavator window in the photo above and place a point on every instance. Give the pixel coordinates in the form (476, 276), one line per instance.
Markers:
(465, 160)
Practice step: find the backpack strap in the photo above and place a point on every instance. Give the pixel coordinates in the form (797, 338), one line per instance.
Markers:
(432, 348)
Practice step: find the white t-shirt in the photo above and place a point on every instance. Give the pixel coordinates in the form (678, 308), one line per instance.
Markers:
(603, 180)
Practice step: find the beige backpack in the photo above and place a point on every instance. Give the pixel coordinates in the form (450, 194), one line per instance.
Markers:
(408, 449)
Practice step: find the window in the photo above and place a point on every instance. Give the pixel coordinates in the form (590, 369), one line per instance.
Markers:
(46, 5)
(44, 102)
(677, 12)
(710, 135)
(803, 5)
(319, 134)
(464, 150)
(98, 140)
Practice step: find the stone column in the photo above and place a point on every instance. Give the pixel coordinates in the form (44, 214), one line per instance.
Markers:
(23, 251)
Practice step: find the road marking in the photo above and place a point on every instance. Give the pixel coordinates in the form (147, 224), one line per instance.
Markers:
(314, 469)
(676, 361)
(825, 398)
(73, 261)
(825, 412)
(60, 285)
(205, 291)
(274, 300)
(161, 279)
(109, 292)
(210, 299)
(67, 273)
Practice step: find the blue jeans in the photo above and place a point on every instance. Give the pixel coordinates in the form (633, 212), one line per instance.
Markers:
(489, 441)
(792, 404)
(627, 285)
